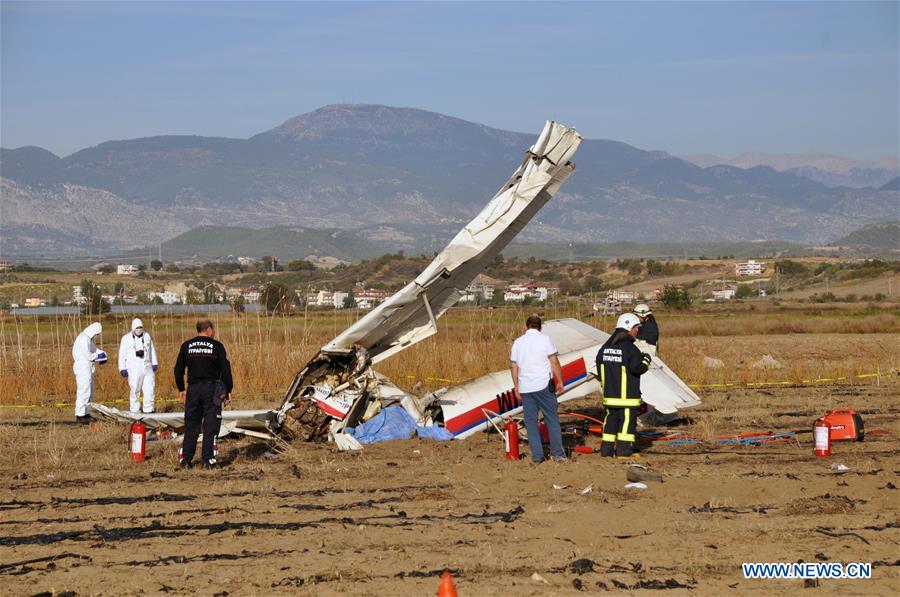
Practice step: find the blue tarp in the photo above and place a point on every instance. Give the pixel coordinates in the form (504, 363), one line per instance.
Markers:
(434, 432)
(391, 423)
(394, 423)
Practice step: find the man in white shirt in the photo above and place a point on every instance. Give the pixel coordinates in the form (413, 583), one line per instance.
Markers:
(138, 364)
(533, 359)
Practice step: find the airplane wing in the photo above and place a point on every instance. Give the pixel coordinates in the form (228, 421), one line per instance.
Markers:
(410, 315)
(256, 423)
(660, 386)
(570, 334)
(664, 390)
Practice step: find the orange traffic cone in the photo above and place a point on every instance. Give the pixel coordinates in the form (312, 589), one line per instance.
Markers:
(446, 588)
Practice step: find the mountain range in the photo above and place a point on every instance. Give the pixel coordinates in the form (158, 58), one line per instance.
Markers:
(215, 243)
(828, 169)
(401, 178)
(883, 235)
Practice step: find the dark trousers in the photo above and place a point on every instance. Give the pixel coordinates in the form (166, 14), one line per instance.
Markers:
(618, 431)
(203, 406)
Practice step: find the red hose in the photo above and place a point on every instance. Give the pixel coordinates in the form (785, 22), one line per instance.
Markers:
(583, 417)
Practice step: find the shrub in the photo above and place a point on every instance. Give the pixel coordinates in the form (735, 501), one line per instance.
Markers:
(675, 297)
(276, 298)
(94, 303)
(744, 291)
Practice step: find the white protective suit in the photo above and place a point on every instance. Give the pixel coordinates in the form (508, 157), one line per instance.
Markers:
(84, 355)
(140, 369)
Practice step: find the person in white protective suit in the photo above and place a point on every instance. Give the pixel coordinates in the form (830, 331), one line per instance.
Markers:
(85, 354)
(138, 363)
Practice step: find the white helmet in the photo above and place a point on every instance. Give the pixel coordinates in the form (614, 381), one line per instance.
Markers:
(627, 321)
(641, 310)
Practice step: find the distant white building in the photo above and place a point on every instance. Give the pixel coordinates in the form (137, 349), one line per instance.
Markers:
(625, 297)
(34, 301)
(517, 293)
(616, 300)
(327, 298)
(478, 291)
(749, 268)
(723, 295)
(338, 298)
(366, 298)
(250, 294)
(77, 295)
(320, 298)
(126, 269)
(167, 297)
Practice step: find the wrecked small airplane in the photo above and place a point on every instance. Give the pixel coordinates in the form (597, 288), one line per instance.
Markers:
(339, 387)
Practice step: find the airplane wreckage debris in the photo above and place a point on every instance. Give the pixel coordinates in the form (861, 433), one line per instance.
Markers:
(339, 388)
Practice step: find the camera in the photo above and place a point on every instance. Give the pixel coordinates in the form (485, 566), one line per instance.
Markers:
(139, 353)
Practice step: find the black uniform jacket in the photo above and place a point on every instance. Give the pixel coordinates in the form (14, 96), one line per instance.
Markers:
(205, 360)
(649, 331)
(620, 365)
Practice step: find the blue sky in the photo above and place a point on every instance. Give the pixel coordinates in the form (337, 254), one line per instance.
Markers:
(684, 77)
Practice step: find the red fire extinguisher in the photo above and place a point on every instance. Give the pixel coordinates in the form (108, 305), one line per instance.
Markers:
(822, 432)
(138, 441)
(511, 434)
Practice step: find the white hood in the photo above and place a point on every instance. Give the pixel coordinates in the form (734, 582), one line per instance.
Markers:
(136, 323)
(93, 329)
(84, 351)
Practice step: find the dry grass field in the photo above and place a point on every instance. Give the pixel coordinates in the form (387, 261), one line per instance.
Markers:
(76, 515)
(266, 352)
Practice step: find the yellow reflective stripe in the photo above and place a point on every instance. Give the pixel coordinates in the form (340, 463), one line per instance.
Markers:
(625, 437)
(625, 423)
(623, 393)
(628, 402)
(602, 377)
(607, 437)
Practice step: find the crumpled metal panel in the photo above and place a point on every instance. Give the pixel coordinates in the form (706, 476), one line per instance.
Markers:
(233, 421)
(409, 315)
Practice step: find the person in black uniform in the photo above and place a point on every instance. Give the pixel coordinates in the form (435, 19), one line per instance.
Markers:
(209, 386)
(620, 365)
(648, 335)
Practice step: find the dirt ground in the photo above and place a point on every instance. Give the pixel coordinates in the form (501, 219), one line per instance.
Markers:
(76, 516)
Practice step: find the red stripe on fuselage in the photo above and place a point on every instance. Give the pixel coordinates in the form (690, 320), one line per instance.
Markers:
(505, 401)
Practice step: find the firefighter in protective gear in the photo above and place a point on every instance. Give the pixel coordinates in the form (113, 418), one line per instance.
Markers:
(138, 363)
(85, 355)
(648, 335)
(620, 366)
